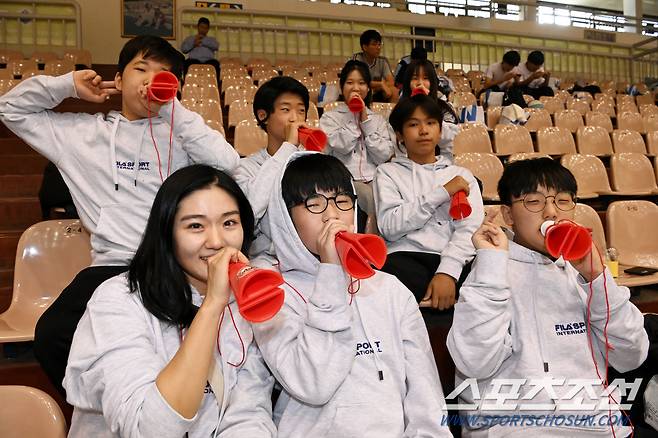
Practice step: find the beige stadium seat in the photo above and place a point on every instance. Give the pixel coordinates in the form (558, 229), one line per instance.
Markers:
(627, 228)
(510, 139)
(199, 92)
(263, 74)
(473, 137)
(650, 122)
(647, 109)
(455, 72)
(490, 210)
(21, 66)
(232, 72)
(42, 57)
(632, 121)
(6, 85)
(240, 110)
(624, 140)
(312, 115)
(589, 218)
(78, 56)
(552, 104)
(383, 109)
(58, 68)
(6, 75)
(652, 143)
(569, 119)
(332, 105)
(461, 99)
(624, 99)
(632, 174)
(202, 69)
(538, 118)
(562, 95)
(644, 99)
(526, 156)
(555, 141)
(237, 82)
(622, 87)
(49, 255)
(598, 119)
(605, 107)
(493, 116)
(8, 55)
(233, 94)
(593, 140)
(580, 105)
(29, 412)
(590, 174)
(249, 138)
(487, 168)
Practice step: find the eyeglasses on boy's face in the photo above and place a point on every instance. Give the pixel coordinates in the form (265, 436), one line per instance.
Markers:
(536, 202)
(318, 203)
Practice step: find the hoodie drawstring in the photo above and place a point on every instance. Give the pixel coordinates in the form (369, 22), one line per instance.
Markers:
(378, 361)
(113, 153)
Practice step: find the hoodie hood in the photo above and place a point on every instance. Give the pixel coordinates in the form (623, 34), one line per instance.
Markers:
(290, 250)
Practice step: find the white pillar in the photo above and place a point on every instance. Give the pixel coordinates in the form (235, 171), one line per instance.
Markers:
(633, 8)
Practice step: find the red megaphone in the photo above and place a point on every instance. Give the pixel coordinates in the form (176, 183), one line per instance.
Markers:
(355, 105)
(312, 139)
(566, 239)
(164, 87)
(358, 251)
(460, 208)
(418, 90)
(256, 291)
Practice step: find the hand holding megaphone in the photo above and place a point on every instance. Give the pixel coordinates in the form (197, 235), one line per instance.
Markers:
(567, 239)
(257, 291)
(355, 104)
(313, 139)
(460, 208)
(420, 90)
(357, 252)
(163, 87)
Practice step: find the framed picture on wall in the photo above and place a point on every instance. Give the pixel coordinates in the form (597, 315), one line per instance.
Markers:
(148, 17)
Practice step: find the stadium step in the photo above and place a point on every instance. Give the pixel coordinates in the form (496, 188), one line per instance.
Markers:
(19, 213)
(19, 185)
(15, 146)
(22, 165)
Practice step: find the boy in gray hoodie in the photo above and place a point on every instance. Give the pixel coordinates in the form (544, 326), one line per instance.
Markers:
(113, 166)
(544, 327)
(353, 357)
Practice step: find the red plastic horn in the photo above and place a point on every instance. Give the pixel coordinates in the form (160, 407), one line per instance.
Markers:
(358, 251)
(164, 87)
(256, 291)
(355, 105)
(418, 90)
(460, 208)
(566, 239)
(312, 139)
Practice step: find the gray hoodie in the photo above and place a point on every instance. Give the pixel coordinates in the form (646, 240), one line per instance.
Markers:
(96, 156)
(349, 367)
(118, 350)
(361, 146)
(412, 211)
(521, 315)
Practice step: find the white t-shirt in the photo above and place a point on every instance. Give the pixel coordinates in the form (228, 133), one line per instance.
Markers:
(495, 72)
(525, 74)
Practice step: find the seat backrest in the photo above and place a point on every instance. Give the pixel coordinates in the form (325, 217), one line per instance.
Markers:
(382, 108)
(487, 168)
(650, 122)
(629, 228)
(631, 121)
(605, 107)
(644, 99)
(332, 105)
(652, 142)
(234, 93)
(526, 156)
(29, 412)
(510, 139)
(461, 99)
(648, 108)
(490, 210)
(598, 119)
(624, 99)
(472, 138)
(78, 56)
(624, 140)
(493, 116)
(589, 172)
(312, 114)
(551, 104)
(49, 255)
(538, 118)
(58, 68)
(569, 119)
(632, 172)
(579, 105)
(555, 141)
(588, 217)
(593, 140)
(249, 138)
(240, 110)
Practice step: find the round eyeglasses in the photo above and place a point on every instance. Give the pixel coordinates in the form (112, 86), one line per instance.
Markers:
(318, 203)
(536, 202)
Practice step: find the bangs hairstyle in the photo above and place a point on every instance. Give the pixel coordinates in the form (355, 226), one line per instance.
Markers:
(155, 48)
(154, 272)
(362, 68)
(525, 176)
(415, 68)
(312, 173)
(406, 107)
(271, 90)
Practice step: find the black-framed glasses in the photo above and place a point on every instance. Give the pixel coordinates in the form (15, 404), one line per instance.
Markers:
(318, 203)
(536, 202)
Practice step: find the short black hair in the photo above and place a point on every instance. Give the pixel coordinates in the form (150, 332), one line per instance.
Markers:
(525, 176)
(536, 57)
(309, 173)
(418, 53)
(406, 107)
(203, 20)
(414, 68)
(152, 47)
(348, 68)
(154, 272)
(368, 36)
(271, 90)
(512, 58)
